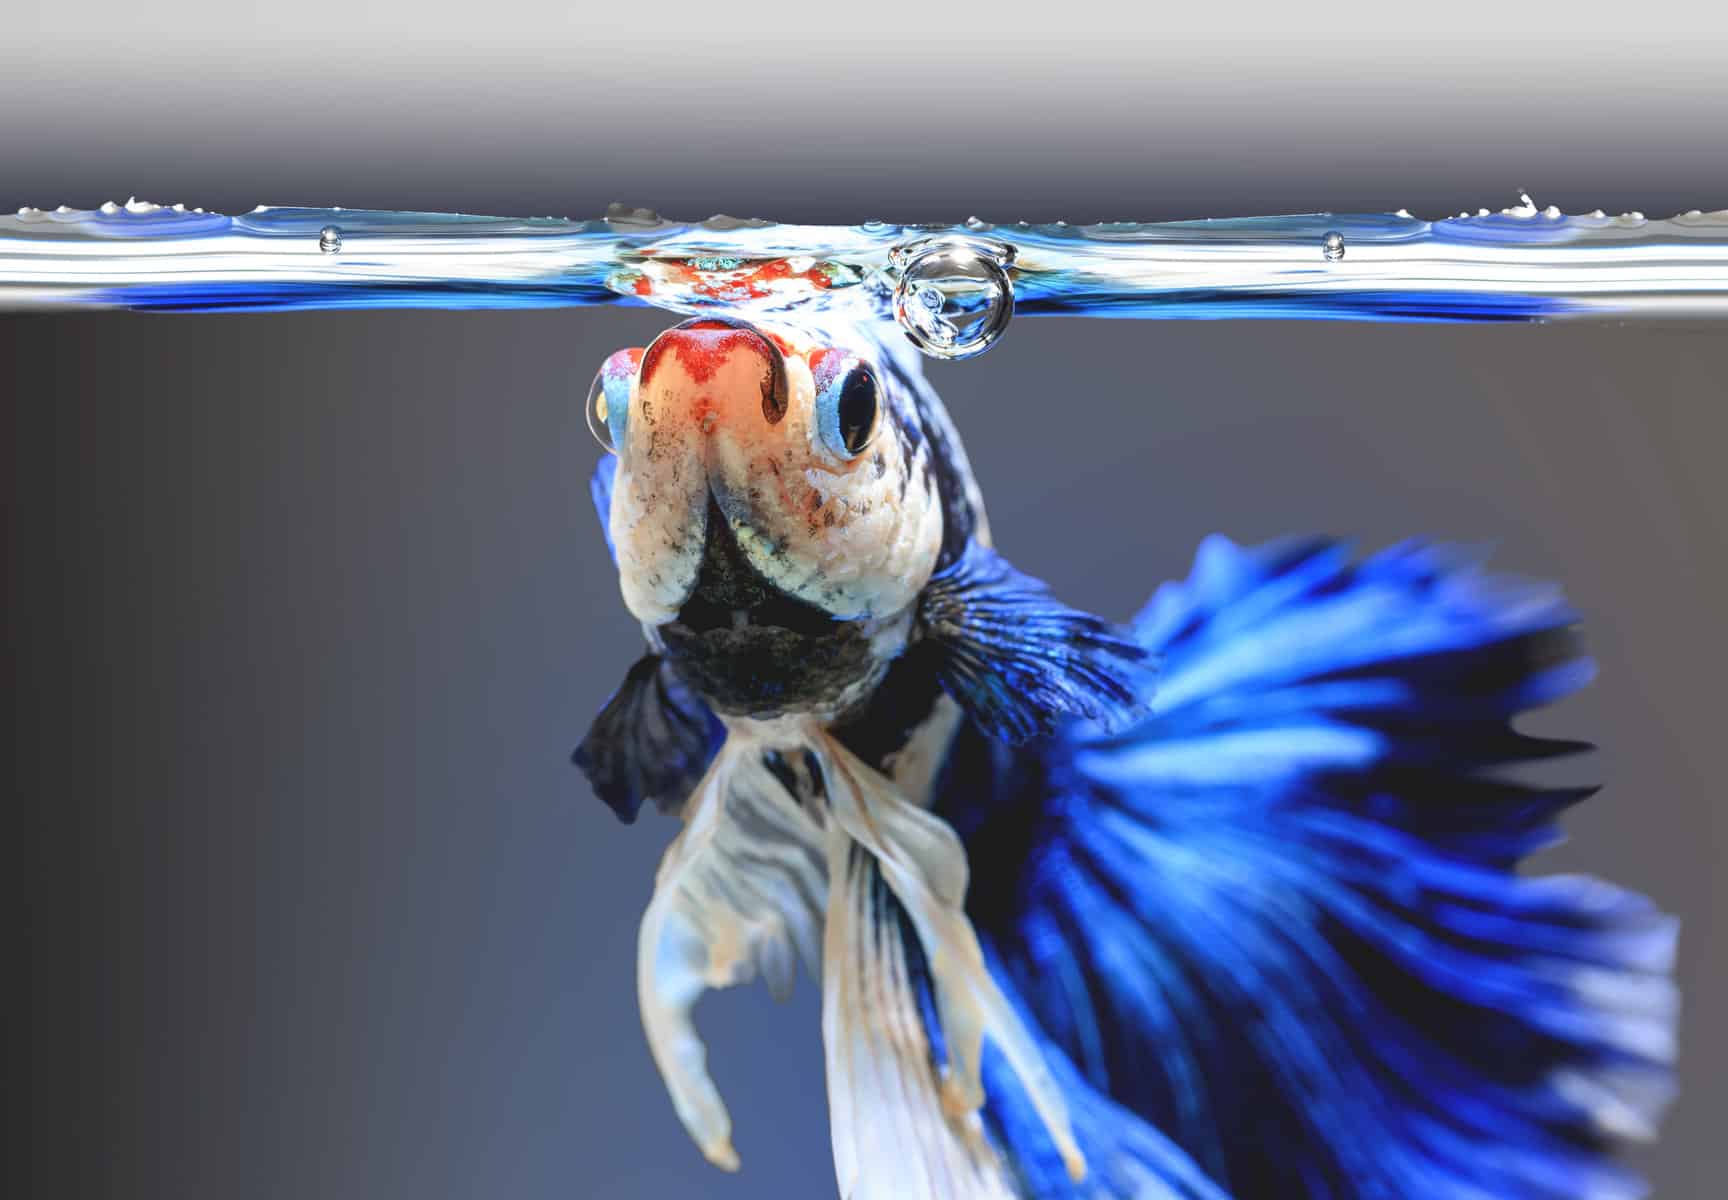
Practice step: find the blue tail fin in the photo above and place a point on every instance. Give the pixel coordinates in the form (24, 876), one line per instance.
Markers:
(1280, 919)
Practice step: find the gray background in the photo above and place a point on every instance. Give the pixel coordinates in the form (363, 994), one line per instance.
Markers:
(305, 612)
(309, 609)
(899, 109)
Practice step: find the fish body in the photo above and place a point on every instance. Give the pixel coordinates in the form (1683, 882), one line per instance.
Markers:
(1220, 902)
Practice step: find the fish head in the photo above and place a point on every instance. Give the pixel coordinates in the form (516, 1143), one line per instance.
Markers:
(774, 514)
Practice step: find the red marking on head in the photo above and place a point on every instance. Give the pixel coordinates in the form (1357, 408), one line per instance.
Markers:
(644, 285)
(702, 347)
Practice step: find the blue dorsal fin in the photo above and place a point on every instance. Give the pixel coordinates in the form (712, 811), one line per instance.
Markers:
(651, 742)
(1017, 659)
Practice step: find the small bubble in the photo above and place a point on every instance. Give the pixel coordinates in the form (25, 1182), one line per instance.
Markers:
(599, 415)
(1332, 246)
(608, 404)
(329, 239)
(954, 299)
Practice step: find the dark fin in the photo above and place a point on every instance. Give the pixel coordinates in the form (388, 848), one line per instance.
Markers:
(1018, 660)
(600, 488)
(651, 742)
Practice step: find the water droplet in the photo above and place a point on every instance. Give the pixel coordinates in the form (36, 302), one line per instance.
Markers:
(618, 213)
(109, 208)
(954, 299)
(329, 239)
(726, 223)
(598, 424)
(1332, 246)
(874, 226)
(977, 224)
(1524, 199)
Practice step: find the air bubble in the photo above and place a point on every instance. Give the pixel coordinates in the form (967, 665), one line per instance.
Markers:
(329, 239)
(599, 413)
(1332, 246)
(954, 298)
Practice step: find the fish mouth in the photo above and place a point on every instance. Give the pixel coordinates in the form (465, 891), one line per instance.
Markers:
(732, 596)
(752, 650)
(776, 614)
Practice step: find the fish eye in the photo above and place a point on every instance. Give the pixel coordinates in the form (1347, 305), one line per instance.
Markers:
(609, 398)
(847, 408)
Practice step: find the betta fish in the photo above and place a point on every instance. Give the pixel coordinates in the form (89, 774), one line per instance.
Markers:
(1223, 901)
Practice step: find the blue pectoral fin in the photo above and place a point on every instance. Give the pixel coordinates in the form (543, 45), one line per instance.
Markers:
(650, 743)
(600, 491)
(1281, 919)
(1018, 660)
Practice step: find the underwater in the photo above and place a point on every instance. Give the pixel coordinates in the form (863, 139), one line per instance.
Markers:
(1207, 690)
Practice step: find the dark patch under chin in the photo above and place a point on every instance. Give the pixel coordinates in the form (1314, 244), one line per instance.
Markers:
(764, 671)
(784, 655)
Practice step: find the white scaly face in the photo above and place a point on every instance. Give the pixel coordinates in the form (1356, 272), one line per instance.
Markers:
(773, 502)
